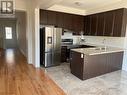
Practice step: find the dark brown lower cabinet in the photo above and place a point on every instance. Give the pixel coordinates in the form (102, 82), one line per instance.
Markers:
(85, 67)
(64, 54)
(76, 64)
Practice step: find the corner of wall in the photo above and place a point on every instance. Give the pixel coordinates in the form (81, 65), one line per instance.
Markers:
(37, 38)
(125, 54)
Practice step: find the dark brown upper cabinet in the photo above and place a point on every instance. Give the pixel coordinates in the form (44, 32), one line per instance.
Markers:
(100, 24)
(120, 21)
(87, 25)
(59, 19)
(51, 18)
(109, 23)
(43, 17)
(78, 24)
(94, 23)
(67, 20)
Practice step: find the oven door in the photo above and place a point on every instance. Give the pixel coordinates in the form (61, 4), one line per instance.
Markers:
(67, 41)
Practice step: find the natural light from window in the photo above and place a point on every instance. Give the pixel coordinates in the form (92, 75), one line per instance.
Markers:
(8, 31)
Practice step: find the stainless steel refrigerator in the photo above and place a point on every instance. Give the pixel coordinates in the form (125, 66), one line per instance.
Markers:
(50, 46)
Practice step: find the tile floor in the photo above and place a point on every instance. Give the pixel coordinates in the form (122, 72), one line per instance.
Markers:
(114, 83)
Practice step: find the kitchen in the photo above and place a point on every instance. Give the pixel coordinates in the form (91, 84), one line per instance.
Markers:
(103, 32)
(103, 29)
(68, 47)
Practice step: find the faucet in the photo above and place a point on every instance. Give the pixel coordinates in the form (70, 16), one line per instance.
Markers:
(82, 39)
(104, 43)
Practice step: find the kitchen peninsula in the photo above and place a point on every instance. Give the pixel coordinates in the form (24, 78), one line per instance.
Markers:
(87, 63)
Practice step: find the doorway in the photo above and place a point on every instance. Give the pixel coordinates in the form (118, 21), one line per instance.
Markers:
(8, 37)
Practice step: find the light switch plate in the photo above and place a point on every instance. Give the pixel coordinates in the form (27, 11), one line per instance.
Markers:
(82, 55)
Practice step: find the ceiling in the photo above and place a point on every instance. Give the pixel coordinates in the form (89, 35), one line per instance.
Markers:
(86, 4)
(81, 7)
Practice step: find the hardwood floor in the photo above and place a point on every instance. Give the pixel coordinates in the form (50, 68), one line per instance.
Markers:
(19, 78)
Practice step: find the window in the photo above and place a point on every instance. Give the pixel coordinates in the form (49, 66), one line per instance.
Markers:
(8, 31)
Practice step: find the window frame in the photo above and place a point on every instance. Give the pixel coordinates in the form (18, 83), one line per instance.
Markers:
(8, 33)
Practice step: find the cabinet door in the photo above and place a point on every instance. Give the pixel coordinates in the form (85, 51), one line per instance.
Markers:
(94, 23)
(51, 17)
(64, 54)
(78, 24)
(109, 23)
(118, 19)
(77, 64)
(67, 21)
(87, 25)
(59, 19)
(81, 23)
(101, 24)
(43, 17)
(124, 26)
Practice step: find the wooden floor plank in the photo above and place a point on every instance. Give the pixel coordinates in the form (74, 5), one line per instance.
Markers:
(19, 78)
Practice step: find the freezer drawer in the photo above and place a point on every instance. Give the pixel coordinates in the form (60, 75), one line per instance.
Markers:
(48, 61)
(56, 58)
(52, 59)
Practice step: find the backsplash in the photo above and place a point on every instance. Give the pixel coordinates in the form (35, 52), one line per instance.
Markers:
(98, 40)
(69, 35)
(107, 41)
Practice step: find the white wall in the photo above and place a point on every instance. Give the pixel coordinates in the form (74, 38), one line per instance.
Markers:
(30, 32)
(21, 31)
(37, 37)
(27, 6)
(20, 5)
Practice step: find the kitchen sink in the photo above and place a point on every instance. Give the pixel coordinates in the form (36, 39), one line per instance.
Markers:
(100, 48)
(86, 46)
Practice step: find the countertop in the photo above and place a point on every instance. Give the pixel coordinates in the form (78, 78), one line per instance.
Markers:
(77, 46)
(97, 50)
